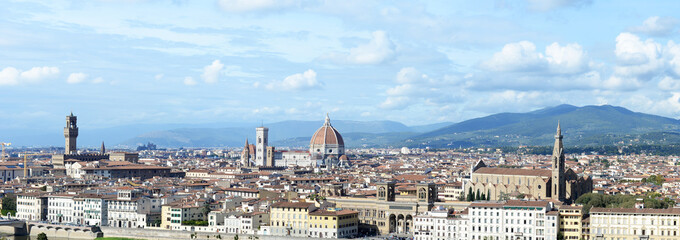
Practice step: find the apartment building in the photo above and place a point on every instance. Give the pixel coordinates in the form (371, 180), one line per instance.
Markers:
(290, 218)
(571, 222)
(333, 223)
(441, 224)
(31, 206)
(60, 208)
(634, 223)
(516, 220)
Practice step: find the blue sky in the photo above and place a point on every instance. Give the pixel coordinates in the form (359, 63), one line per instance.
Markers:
(418, 62)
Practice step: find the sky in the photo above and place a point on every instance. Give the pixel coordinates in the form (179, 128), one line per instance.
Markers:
(116, 63)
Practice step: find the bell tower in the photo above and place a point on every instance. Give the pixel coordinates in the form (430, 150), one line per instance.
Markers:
(557, 159)
(70, 134)
(262, 135)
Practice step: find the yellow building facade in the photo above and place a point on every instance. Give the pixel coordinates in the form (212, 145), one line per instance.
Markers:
(571, 222)
(333, 223)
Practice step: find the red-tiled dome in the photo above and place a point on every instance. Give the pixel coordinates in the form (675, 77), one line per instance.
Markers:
(327, 135)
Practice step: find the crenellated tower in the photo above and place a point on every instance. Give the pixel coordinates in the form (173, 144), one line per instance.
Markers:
(70, 134)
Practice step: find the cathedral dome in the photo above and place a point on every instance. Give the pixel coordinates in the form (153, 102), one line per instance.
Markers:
(327, 135)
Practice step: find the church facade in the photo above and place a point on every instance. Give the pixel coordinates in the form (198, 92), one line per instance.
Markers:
(557, 183)
(326, 149)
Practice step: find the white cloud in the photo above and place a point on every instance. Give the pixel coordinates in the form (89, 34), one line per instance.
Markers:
(547, 5)
(189, 81)
(159, 76)
(520, 56)
(621, 83)
(9, 76)
(378, 50)
(408, 75)
(414, 87)
(211, 73)
(523, 57)
(568, 59)
(267, 110)
(12, 76)
(395, 102)
(673, 56)
(636, 58)
(669, 84)
(298, 81)
(98, 80)
(657, 26)
(75, 78)
(255, 5)
(39, 73)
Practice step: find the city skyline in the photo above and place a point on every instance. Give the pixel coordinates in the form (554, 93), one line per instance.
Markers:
(160, 62)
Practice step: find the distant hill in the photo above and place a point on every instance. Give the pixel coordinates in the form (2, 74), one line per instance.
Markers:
(588, 125)
(293, 134)
(581, 126)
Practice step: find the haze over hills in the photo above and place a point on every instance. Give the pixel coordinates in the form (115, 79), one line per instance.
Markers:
(284, 134)
(588, 125)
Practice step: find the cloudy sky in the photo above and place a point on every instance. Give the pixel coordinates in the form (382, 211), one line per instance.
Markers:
(418, 62)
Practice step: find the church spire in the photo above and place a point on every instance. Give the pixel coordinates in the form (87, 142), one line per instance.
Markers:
(558, 167)
(103, 150)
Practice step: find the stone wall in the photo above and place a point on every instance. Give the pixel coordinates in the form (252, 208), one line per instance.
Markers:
(157, 234)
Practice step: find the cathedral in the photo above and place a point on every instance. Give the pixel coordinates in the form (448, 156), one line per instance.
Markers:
(326, 150)
(556, 183)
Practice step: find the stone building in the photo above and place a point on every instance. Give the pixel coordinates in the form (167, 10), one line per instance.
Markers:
(389, 212)
(556, 183)
(71, 154)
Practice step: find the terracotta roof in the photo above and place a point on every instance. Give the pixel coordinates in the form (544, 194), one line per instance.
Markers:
(127, 167)
(292, 205)
(515, 171)
(636, 210)
(322, 212)
(326, 135)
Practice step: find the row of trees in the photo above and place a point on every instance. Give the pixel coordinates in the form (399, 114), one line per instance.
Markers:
(655, 179)
(477, 196)
(661, 150)
(650, 200)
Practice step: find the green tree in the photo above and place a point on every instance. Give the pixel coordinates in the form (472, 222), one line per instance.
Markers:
(236, 237)
(483, 197)
(206, 209)
(470, 196)
(488, 194)
(42, 236)
(478, 196)
(9, 205)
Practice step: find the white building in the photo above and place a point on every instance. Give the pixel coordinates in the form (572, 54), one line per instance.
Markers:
(634, 223)
(439, 224)
(244, 223)
(511, 220)
(61, 209)
(526, 220)
(132, 210)
(91, 210)
(31, 206)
